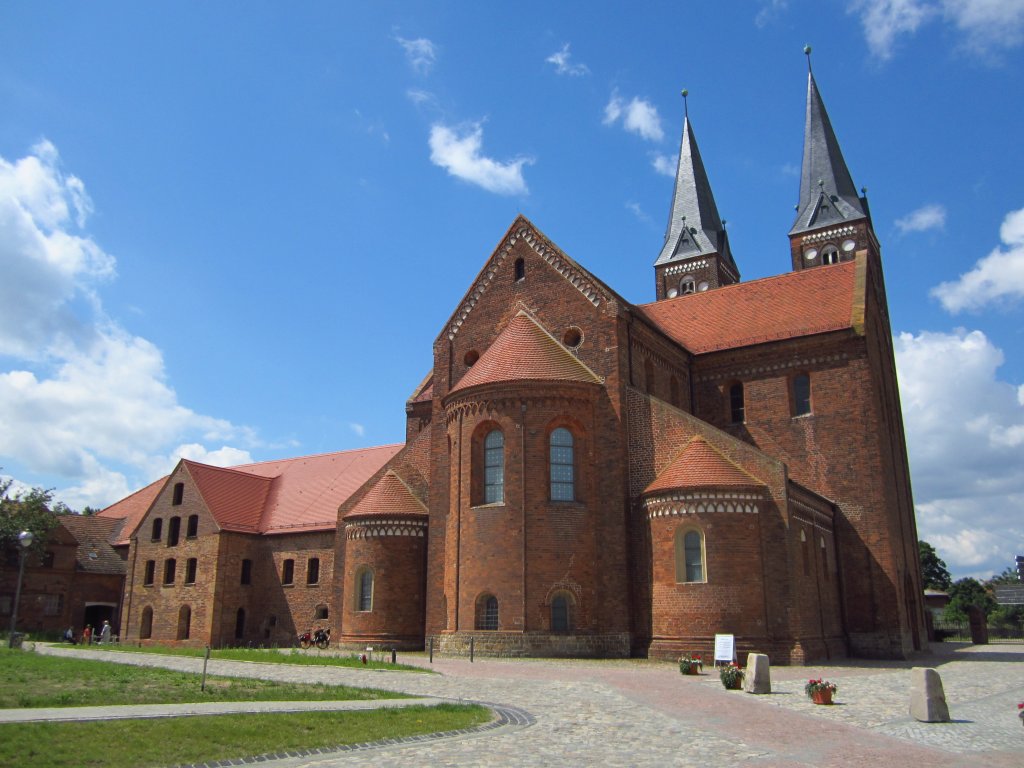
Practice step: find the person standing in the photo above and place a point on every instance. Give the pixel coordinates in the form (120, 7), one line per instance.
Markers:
(105, 632)
(87, 635)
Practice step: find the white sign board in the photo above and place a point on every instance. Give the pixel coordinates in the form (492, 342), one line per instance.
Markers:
(725, 648)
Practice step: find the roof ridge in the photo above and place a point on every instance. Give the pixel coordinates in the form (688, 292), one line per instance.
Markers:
(299, 458)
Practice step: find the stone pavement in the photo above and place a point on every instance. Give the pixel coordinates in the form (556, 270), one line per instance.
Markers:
(639, 713)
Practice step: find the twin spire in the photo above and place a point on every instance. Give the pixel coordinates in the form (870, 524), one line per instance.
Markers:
(827, 192)
(694, 226)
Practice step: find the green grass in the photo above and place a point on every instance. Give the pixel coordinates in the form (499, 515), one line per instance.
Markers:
(139, 743)
(31, 680)
(284, 656)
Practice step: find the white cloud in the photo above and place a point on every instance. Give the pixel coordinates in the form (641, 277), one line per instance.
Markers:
(81, 399)
(421, 53)
(638, 212)
(885, 20)
(965, 437)
(358, 429)
(924, 218)
(981, 25)
(770, 10)
(995, 278)
(987, 24)
(562, 65)
(666, 165)
(458, 152)
(419, 97)
(638, 116)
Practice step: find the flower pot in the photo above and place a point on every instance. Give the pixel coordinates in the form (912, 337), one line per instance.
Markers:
(692, 671)
(735, 685)
(823, 696)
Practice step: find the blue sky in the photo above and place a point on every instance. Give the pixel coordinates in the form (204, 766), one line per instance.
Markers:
(232, 231)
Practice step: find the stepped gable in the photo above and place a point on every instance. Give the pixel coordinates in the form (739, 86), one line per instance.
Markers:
(771, 309)
(307, 491)
(132, 509)
(524, 351)
(95, 536)
(699, 465)
(389, 496)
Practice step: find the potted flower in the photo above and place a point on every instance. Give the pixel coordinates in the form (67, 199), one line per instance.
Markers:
(690, 664)
(820, 691)
(731, 675)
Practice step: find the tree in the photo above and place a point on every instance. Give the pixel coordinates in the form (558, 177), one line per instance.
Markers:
(26, 512)
(1008, 576)
(965, 593)
(933, 568)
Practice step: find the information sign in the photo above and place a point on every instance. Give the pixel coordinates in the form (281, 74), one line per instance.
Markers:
(725, 648)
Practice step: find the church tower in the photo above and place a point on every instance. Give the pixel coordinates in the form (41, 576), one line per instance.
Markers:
(696, 255)
(833, 222)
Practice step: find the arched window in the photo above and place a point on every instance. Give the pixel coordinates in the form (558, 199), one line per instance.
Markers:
(687, 285)
(192, 530)
(240, 624)
(520, 269)
(801, 394)
(494, 467)
(173, 531)
(829, 255)
(487, 613)
(170, 566)
(689, 555)
(737, 409)
(184, 622)
(364, 590)
(179, 494)
(562, 465)
(561, 613)
(146, 625)
(158, 529)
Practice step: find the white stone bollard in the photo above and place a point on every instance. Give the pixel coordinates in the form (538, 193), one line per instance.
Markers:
(927, 699)
(758, 677)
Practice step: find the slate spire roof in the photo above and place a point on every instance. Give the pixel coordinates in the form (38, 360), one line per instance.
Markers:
(694, 226)
(524, 351)
(827, 193)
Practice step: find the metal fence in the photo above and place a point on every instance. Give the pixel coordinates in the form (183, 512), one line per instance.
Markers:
(954, 631)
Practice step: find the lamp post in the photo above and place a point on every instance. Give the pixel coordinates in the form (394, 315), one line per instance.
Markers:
(25, 540)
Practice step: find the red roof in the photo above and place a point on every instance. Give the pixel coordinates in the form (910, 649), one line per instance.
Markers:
(306, 492)
(132, 509)
(699, 465)
(389, 496)
(773, 308)
(524, 351)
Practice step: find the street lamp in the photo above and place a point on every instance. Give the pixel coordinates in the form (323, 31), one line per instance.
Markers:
(25, 540)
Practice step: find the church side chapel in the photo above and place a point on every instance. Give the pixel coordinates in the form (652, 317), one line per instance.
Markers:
(586, 477)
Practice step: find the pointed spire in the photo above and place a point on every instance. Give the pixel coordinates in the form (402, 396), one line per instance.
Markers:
(694, 226)
(827, 193)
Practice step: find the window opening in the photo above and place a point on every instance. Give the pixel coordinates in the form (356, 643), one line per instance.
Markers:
(179, 494)
(689, 556)
(313, 571)
(563, 481)
(173, 531)
(184, 622)
(158, 529)
(494, 467)
(147, 580)
(288, 571)
(560, 613)
(801, 394)
(146, 625)
(170, 565)
(190, 570)
(246, 571)
(192, 530)
(520, 269)
(487, 618)
(365, 597)
(737, 409)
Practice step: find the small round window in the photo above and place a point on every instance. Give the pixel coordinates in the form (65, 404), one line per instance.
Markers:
(573, 337)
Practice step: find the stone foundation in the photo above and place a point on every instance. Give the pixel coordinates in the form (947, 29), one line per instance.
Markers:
(543, 645)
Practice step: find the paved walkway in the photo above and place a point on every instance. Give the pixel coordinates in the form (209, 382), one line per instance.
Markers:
(634, 713)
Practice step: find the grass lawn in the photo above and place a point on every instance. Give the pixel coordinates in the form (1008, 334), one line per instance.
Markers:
(312, 656)
(31, 680)
(138, 743)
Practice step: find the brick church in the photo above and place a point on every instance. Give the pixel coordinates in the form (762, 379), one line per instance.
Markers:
(583, 476)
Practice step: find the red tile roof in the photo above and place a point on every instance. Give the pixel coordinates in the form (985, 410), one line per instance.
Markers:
(306, 492)
(699, 465)
(774, 308)
(389, 496)
(524, 351)
(95, 535)
(132, 509)
(235, 499)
